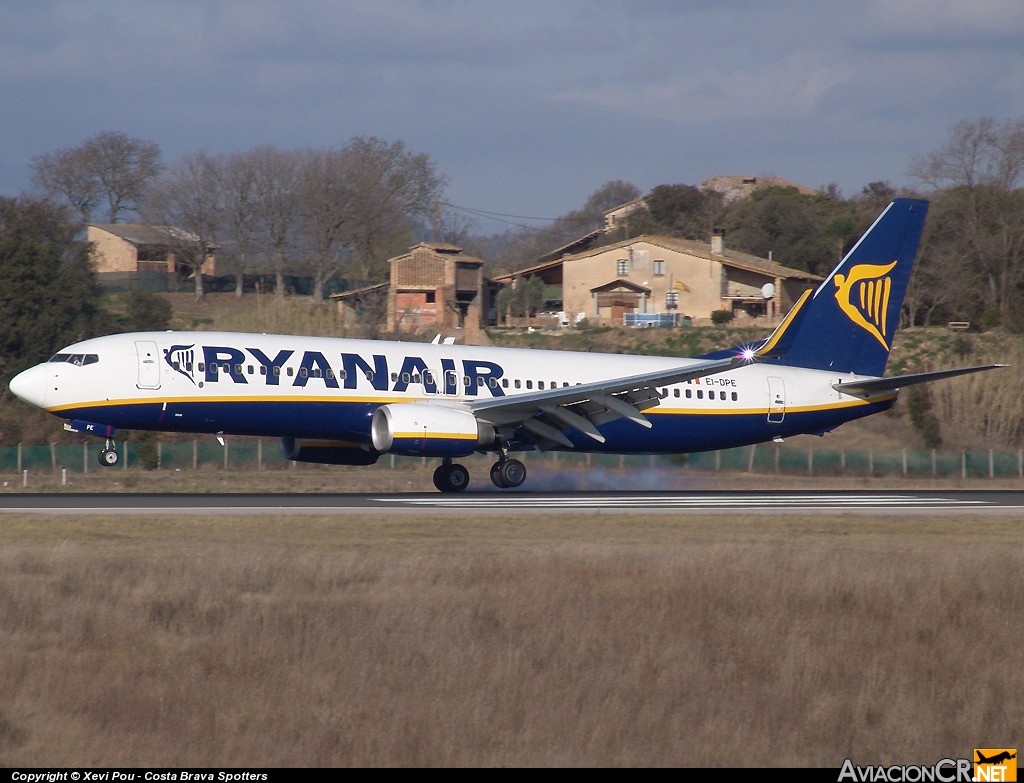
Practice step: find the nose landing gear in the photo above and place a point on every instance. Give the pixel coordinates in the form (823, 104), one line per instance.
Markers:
(109, 456)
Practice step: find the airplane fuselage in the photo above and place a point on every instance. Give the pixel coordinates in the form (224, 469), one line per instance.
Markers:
(329, 388)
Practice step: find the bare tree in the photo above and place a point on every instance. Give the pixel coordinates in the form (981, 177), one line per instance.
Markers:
(394, 187)
(355, 201)
(237, 175)
(109, 167)
(982, 167)
(188, 201)
(277, 185)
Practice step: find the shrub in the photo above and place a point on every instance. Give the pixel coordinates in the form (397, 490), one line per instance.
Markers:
(719, 317)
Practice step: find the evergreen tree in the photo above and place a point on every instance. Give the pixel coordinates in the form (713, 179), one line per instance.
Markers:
(50, 296)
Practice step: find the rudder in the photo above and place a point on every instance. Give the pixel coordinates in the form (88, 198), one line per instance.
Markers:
(851, 318)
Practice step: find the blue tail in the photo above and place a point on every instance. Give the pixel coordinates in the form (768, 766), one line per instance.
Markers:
(848, 323)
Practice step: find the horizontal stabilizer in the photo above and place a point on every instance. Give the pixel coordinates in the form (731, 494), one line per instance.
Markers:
(876, 385)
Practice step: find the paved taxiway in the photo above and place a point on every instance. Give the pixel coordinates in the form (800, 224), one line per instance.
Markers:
(975, 502)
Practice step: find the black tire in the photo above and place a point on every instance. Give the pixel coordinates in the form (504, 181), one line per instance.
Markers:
(458, 478)
(513, 473)
(109, 457)
(451, 478)
(496, 478)
(441, 478)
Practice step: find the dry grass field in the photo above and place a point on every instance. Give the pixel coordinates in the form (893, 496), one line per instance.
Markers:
(507, 640)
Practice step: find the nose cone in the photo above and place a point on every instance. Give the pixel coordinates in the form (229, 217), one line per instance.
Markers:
(30, 385)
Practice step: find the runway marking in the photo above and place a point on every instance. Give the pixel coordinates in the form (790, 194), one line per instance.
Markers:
(687, 501)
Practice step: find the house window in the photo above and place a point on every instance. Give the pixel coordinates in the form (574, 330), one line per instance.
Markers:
(622, 267)
(429, 297)
(659, 267)
(672, 300)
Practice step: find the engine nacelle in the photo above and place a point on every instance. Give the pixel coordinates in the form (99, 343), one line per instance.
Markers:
(328, 452)
(421, 430)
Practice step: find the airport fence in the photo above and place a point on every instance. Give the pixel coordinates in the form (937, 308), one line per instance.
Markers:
(265, 454)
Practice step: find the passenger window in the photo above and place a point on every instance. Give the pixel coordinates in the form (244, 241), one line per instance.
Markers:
(330, 373)
(529, 384)
(700, 394)
(406, 377)
(369, 375)
(735, 396)
(689, 393)
(504, 382)
(303, 372)
(540, 384)
(249, 369)
(519, 384)
(263, 369)
(675, 392)
(202, 367)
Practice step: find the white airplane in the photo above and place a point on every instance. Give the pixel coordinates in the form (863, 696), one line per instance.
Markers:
(347, 402)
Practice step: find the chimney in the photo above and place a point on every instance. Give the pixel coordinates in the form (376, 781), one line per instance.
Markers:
(718, 241)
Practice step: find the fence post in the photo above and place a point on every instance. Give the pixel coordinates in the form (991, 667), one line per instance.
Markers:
(904, 463)
(934, 471)
(718, 460)
(195, 454)
(125, 455)
(991, 465)
(19, 458)
(871, 462)
(159, 454)
(259, 454)
(810, 461)
(85, 457)
(53, 455)
(963, 463)
(750, 461)
(225, 455)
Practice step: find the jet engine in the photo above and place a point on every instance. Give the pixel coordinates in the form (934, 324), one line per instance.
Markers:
(421, 430)
(328, 452)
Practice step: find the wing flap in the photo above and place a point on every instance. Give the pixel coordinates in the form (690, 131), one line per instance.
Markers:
(542, 416)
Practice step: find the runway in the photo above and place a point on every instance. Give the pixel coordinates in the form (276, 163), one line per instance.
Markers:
(781, 501)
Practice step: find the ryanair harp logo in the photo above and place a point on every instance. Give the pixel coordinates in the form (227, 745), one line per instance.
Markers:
(863, 295)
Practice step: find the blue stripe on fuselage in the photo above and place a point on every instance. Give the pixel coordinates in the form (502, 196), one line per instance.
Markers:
(671, 432)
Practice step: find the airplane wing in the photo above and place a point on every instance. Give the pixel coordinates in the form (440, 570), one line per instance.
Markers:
(543, 415)
(870, 386)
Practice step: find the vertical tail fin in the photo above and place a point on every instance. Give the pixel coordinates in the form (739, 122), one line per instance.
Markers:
(848, 323)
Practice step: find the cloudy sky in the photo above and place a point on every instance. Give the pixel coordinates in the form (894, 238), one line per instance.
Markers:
(527, 106)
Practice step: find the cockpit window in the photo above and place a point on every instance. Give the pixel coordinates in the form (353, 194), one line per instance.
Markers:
(79, 359)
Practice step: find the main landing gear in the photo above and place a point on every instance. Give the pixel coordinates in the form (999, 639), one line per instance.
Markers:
(505, 473)
(451, 478)
(109, 456)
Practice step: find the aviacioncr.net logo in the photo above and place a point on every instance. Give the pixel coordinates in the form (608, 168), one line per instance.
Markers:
(863, 295)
